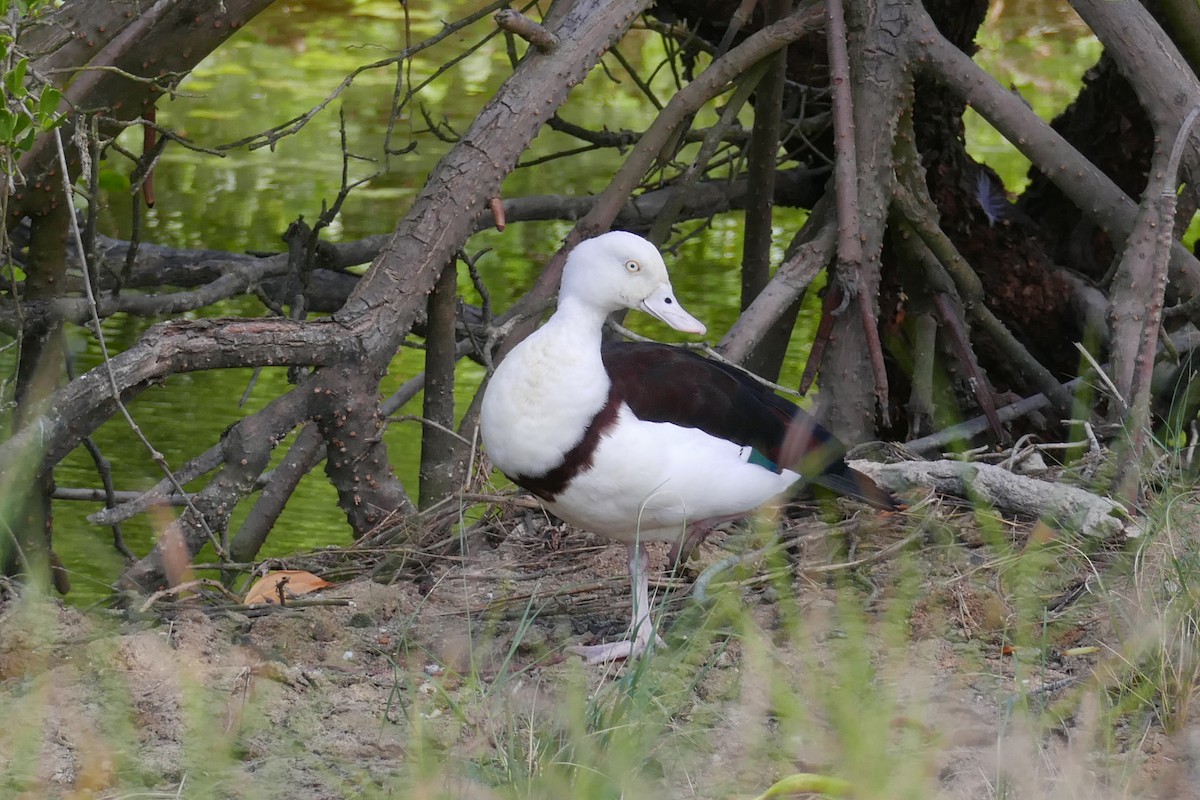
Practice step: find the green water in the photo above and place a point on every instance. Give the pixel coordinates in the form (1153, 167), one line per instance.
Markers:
(279, 66)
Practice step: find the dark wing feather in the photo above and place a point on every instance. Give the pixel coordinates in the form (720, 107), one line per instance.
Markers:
(661, 383)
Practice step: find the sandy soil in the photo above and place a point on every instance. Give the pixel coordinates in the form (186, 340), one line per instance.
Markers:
(425, 687)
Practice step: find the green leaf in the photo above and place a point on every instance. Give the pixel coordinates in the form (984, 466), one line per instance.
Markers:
(7, 124)
(19, 124)
(15, 79)
(48, 102)
(26, 144)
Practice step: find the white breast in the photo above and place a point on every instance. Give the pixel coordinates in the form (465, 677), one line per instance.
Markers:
(541, 399)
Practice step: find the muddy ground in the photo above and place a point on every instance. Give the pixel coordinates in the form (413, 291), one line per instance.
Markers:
(976, 674)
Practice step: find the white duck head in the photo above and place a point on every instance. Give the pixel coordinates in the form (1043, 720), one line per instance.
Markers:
(622, 270)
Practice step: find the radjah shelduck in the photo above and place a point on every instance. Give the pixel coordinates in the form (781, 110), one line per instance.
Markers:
(644, 442)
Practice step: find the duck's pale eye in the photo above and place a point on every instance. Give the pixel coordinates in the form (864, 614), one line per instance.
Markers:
(632, 266)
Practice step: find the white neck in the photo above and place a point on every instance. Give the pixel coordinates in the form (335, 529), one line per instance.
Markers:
(575, 315)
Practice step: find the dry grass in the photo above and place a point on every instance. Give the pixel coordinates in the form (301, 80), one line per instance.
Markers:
(942, 653)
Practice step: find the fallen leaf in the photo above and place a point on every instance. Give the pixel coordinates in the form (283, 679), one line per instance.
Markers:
(292, 582)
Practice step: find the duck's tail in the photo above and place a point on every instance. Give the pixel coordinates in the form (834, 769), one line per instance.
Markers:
(811, 450)
(846, 480)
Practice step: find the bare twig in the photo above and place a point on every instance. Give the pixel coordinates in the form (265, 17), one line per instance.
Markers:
(666, 217)
(973, 427)
(1118, 399)
(497, 206)
(516, 22)
(162, 493)
(108, 495)
(961, 340)
(809, 253)
(644, 86)
(741, 16)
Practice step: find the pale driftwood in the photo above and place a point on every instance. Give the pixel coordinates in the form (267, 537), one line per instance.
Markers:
(1062, 505)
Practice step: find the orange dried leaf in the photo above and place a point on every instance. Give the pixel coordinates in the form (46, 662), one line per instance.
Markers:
(1042, 534)
(292, 582)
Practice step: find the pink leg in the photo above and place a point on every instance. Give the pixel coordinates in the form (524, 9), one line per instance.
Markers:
(641, 628)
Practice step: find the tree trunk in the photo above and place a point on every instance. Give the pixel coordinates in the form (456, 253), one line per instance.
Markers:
(441, 451)
(882, 91)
